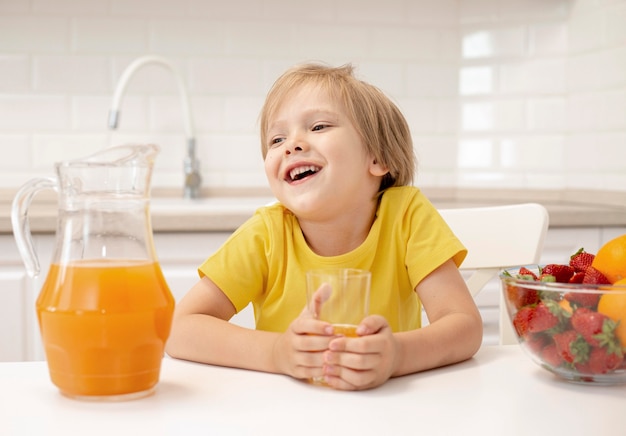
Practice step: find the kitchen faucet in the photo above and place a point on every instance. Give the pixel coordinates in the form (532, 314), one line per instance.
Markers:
(191, 165)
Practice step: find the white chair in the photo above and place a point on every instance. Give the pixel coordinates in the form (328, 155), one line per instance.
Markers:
(498, 237)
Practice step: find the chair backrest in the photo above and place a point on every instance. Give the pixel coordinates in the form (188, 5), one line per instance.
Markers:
(498, 237)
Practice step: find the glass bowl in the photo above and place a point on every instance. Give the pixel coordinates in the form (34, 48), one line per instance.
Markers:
(575, 331)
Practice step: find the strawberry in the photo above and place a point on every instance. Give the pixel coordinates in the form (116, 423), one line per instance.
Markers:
(521, 320)
(551, 356)
(582, 299)
(542, 318)
(536, 342)
(577, 277)
(571, 346)
(581, 260)
(589, 324)
(595, 277)
(561, 273)
(525, 273)
(521, 297)
(601, 361)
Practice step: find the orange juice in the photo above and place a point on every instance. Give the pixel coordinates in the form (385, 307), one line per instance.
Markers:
(104, 324)
(348, 330)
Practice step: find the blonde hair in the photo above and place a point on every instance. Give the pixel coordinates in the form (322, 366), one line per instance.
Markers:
(379, 122)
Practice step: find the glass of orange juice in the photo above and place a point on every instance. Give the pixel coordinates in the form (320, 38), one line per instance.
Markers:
(339, 296)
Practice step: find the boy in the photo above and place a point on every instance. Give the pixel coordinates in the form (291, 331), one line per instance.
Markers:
(339, 158)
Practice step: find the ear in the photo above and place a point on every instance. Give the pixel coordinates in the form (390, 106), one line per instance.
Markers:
(377, 169)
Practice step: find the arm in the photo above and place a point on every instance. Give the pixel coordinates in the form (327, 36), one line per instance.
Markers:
(454, 334)
(201, 332)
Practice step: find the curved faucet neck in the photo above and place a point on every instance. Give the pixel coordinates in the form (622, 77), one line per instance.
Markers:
(191, 165)
(128, 73)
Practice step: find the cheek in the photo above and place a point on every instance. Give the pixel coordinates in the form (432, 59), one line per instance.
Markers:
(271, 164)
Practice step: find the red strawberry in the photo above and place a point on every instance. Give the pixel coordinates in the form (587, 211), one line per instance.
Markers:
(551, 356)
(521, 320)
(582, 299)
(581, 260)
(525, 273)
(571, 346)
(520, 296)
(589, 324)
(601, 361)
(561, 273)
(577, 277)
(536, 342)
(542, 319)
(595, 277)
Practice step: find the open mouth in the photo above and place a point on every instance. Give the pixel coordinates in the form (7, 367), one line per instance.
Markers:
(302, 172)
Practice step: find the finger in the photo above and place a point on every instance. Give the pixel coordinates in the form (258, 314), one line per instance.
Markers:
(348, 380)
(338, 383)
(311, 343)
(371, 325)
(353, 361)
(319, 297)
(304, 325)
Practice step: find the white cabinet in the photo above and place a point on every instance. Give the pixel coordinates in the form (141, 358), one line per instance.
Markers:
(15, 298)
(13, 291)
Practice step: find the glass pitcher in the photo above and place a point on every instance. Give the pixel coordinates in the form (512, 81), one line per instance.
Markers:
(105, 309)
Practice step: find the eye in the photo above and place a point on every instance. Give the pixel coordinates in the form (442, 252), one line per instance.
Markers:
(319, 127)
(275, 141)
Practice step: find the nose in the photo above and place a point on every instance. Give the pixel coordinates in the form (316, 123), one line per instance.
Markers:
(295, 143)
(290, 150)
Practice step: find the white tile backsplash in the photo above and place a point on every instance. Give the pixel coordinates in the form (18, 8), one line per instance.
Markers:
(227, 76)
(15, 73)
(18, 147)
(432, 80)
(29, 113)
(506, 93)
(177, 37)
(548, 39)
(33, 34)
(50, 148)
(587, 31)
(432, 12)
(370, 12)
(476, 80)
(478, 117)
(71, 74)
(109, 35)
(614, 110)
(615, 28)
(71, 7)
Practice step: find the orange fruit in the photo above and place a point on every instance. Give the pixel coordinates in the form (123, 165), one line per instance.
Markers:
(610, 259)
(566, 306)
(613, 305)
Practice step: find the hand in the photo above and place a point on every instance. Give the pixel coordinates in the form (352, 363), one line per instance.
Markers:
(364, 362)
(299, 352)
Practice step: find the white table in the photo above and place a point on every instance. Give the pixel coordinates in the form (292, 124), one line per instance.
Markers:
(498, 392)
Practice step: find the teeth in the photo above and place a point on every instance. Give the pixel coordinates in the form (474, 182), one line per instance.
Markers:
(293, 174)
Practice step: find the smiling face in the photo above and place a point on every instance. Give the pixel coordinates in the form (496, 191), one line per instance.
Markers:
(316, 162)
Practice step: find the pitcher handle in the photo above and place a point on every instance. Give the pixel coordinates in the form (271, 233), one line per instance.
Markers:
(20, 222)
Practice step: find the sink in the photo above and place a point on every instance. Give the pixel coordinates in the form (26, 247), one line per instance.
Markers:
(208, 205)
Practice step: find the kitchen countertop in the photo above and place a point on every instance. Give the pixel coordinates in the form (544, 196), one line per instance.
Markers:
(499, 391)
(227, 210)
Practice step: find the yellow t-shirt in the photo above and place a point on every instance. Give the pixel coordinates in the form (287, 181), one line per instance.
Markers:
(264, 261)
